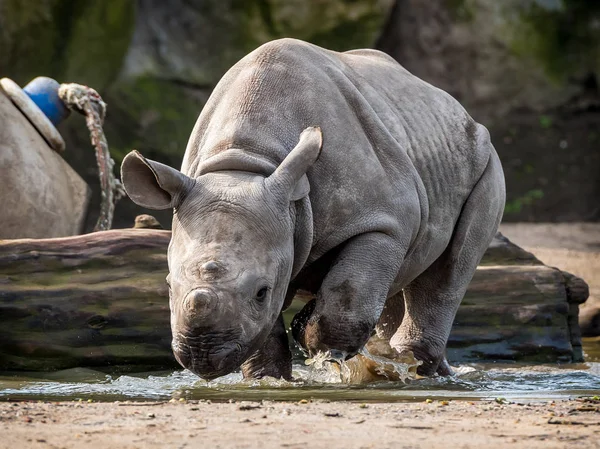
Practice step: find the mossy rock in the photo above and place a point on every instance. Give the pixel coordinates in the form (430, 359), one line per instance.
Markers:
(99, 39)
(337, 25)
(30, 38)
(68, 40)
(152, 115)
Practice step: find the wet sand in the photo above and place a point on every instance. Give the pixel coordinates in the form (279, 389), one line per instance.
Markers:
(454, 424)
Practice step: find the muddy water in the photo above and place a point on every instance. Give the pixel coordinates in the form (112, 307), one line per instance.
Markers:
(471, 382)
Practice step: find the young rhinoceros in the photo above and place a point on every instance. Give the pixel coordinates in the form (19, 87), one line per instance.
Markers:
(340, 174)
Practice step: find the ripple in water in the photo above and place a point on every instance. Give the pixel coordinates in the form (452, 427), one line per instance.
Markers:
(470, 382)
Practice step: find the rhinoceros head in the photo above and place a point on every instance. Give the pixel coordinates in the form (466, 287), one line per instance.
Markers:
(231, 253)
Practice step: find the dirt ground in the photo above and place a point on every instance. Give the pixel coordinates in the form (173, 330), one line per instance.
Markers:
(454, 424)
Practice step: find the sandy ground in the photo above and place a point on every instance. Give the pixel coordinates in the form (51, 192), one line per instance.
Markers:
(454, 424)
(572, 247)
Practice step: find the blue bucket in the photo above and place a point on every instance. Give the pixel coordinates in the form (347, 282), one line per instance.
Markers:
(44, 93)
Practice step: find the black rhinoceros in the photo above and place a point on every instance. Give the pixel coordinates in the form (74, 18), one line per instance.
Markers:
(341, 174)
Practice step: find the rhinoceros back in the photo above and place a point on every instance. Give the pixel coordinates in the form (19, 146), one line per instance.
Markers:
(392, 142)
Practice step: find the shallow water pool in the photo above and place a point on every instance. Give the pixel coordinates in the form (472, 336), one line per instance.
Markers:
(471, 382)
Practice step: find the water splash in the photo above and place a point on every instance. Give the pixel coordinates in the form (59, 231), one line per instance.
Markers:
(403, 367)
(363, 368)
(322, 369)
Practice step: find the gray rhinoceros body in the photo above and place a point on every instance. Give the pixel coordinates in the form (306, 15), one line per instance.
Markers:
(405, 196)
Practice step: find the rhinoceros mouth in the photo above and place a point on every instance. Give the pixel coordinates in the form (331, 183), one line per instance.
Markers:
(208, 362)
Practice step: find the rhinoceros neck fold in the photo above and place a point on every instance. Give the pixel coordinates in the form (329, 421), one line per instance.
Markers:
(303, 234)
(236, 159)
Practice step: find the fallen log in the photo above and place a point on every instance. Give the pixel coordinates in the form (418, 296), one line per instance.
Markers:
(101, 300)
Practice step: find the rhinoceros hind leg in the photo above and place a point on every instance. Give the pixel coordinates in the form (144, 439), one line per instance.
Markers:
(390, 321)
(432, 299)
(273, 359)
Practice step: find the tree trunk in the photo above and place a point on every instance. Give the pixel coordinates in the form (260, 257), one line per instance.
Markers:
(101, 299)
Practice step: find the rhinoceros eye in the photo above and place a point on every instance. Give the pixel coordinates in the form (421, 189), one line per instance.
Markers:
(261, 295)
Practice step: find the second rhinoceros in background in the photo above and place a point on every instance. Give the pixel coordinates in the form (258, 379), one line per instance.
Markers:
(382, 207)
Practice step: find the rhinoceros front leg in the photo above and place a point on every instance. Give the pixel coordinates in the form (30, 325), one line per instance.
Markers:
(351, 297)
(273, 358)
(432, 299)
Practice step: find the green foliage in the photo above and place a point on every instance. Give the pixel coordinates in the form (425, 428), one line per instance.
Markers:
(545, 121)
(516, 205)
(462, 10)
(565, 38)
(69, 40)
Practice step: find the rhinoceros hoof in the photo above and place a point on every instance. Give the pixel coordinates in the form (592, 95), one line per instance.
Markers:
(432, 362)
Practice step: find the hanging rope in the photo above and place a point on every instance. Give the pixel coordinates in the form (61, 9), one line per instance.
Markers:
(88, 102)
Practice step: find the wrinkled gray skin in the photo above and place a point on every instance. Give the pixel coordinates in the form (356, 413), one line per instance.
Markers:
(383, 213)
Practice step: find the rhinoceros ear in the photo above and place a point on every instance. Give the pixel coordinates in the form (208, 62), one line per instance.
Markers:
(290, 176)
(152, 184)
